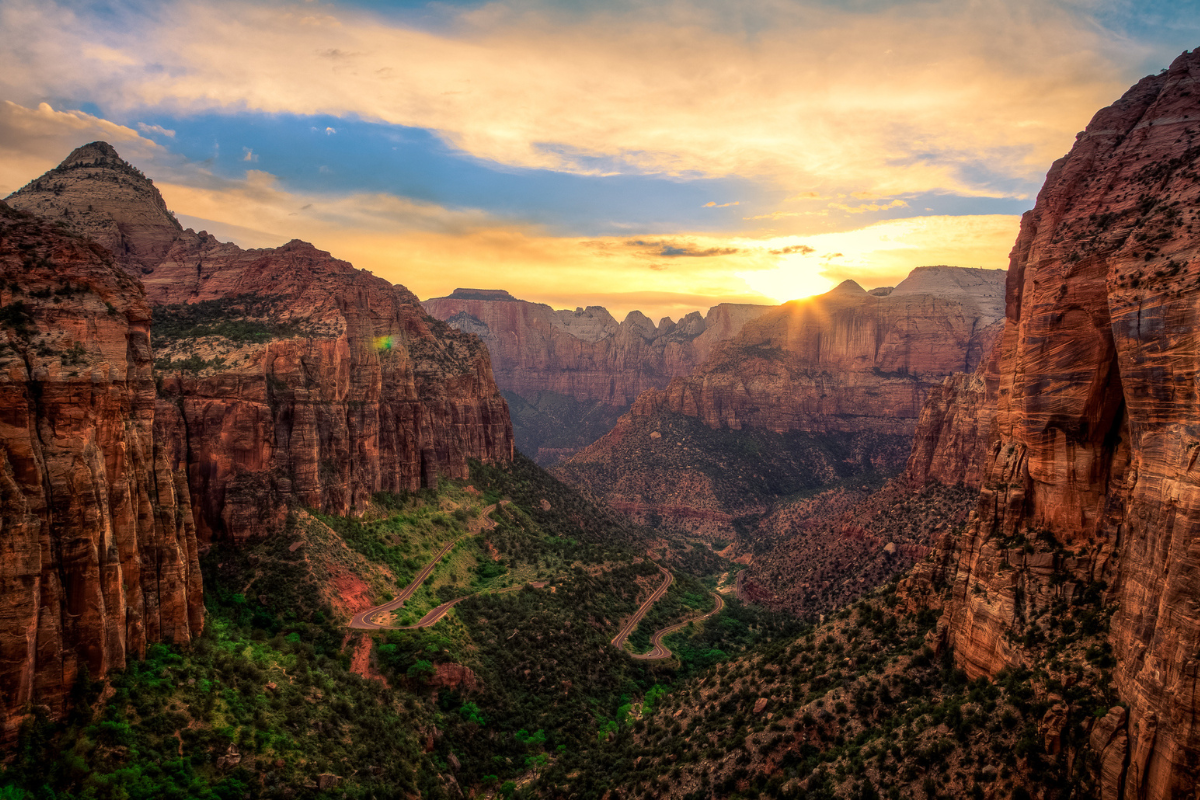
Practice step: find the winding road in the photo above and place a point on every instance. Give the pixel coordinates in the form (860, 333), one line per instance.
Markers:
(626, 629)
(365, 620)
(660, 650)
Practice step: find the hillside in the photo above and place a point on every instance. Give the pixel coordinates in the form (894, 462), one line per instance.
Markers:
(300, 379)
(282, 378)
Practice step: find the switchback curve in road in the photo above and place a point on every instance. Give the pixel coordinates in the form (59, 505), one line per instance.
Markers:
(618, 641)
(660, 650)
(365, 620)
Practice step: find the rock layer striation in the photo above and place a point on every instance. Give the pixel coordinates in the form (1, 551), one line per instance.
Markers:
(300, 379)
(98, 552)
(575, 371)
(807, 394)
(1094, 432)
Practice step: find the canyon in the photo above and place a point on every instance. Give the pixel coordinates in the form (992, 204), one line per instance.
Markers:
(568, 375)
(813, 392)
(1028, 439)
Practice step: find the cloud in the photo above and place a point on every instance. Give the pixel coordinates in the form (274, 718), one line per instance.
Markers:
(33, 140)
(784, 214)
(330, 131)
(713, 204)
(802, 249)
(692, 89)
(250, 155)
(681, 249)
(155, 129)
(860, 209)
(882, 254)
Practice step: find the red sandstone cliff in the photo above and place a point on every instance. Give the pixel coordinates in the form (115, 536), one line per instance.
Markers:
(98, 552)
(1090, 471)
(302, 380)
(568, 375)
(586, 354)
(953, 433)
(846, 360)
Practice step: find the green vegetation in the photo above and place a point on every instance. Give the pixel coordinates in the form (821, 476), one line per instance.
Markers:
(193, 363)
(745, 469)
(15, 316)
(686, 597)
(857, 707)
(518, 692)
(242, 710)
(242, 319)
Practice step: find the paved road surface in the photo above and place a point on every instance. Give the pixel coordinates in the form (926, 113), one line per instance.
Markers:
(365, 620)
(626, 629)
(660, 650)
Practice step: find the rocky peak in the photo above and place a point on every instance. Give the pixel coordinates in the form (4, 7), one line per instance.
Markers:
(589, 324)
(639, 323)
(96, 154)
(96, 194)
(984, 286)
(691, 325)
(847, 287)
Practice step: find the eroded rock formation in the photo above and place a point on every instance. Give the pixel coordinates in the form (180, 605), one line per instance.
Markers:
(98, 553)
(819, 389)
(301, 380)
(1090, 477)
(846, 360)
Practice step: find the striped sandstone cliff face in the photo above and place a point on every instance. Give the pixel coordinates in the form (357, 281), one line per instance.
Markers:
(586, 354)
(280, 377)
(569, 375)
(300, 379)
(98, 552)
(1089, 408)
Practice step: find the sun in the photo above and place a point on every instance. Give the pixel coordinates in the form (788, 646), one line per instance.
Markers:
(793, 279)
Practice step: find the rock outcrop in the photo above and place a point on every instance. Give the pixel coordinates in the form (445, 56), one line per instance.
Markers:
(1090, 476)
(98, 552)
(808, 393)
(953, 433)
(570, 367)
(300, 379)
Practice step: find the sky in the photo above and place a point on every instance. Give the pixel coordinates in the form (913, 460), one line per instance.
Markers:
(660, 156)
